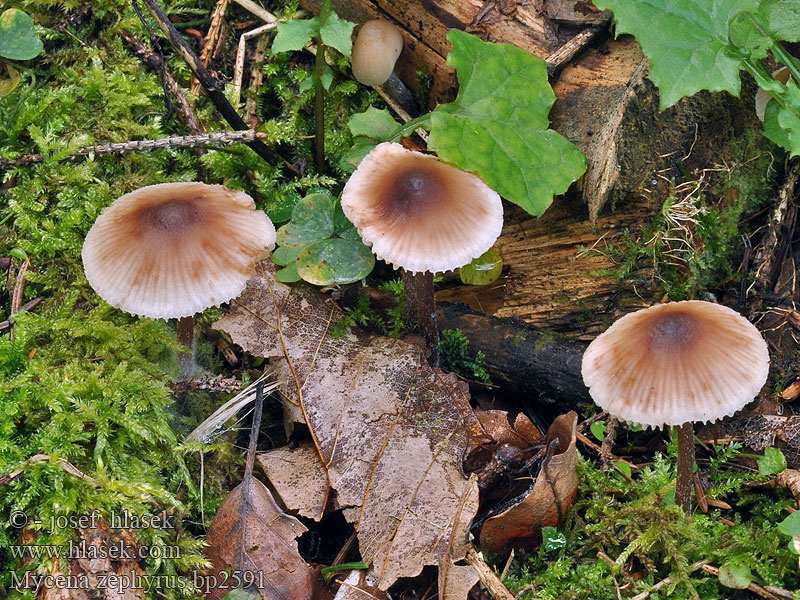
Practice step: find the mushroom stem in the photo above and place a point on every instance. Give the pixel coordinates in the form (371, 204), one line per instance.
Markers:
(186, 338)
(319, 107)
(683, 482)
(420, 309)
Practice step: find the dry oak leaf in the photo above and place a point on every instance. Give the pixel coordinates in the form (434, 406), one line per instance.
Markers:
(390, 430)
(553, 492)
(251, 535)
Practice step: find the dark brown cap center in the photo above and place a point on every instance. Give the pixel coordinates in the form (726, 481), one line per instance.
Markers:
(169, 217)
(412, 192)
(672, 333)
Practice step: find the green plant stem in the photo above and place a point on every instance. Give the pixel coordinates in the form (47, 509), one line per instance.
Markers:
(683, 481)
(319, 106)
(410, 127)
(782, 56)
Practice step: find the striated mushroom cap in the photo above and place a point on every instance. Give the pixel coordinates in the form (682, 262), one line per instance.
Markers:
(676, 363)
(174, 249)
(376, 49)
(420, 213)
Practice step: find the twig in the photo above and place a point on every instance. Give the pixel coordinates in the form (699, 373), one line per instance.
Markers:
(16, 297)
(238, 69)
(210, 40)
(156, 62)
(755, 588)
(212, 86)
(177, 141)
(27, 306)
(492, 582)
(608, 441)
(666, 581)
(254, 8)
(43, 458)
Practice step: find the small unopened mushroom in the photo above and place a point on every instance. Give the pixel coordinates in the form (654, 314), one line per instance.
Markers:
(423, 215)
(675, 364)
(763, 97)
(174, 249)
(375, 52)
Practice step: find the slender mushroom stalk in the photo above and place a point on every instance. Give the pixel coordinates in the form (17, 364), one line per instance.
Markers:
(676, 364)
(683, 481)
(185, 334)
(174, 249)
(424, 216)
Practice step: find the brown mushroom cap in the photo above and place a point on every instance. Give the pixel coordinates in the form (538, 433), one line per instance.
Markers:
(174, 249)
(676, 363)
(420, 213)
(376, 49)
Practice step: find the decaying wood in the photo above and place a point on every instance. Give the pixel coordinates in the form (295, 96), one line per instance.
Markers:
(521, 359)
(610, 111)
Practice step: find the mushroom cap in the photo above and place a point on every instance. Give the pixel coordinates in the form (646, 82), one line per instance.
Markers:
(676, 363)
(174, 249)
(420, 213)
(377, 47)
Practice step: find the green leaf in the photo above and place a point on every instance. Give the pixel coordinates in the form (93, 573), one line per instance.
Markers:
(285, 256)
(782, 19)
(482, 270)
(735, 574)
(294, 34)
(791, 524)
(312, 220)
(685, 41)
(335, 260)
(598, 429)
(338, 33)
(280, 209)
(623, 466)
(18, 39)
(772, 462)
(342, 225)
(287, 274)
(497, 125)
(8, 85)
(782, 123)
(552, 539)
(374, 123)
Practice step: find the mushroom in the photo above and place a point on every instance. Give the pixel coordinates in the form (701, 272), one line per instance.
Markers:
(675, 364)
(423, 215)
(377, 47)
(763, 97)
(174, 249)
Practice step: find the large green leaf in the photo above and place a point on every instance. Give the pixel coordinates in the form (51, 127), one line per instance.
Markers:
(369, 129)
(18, 39)
(335, 261)
(782, 123)
(294, 34)
(338, 33)
(312, 220)
(685, 41)
(497, 126)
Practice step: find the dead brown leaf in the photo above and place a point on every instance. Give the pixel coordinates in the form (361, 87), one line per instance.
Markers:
(389, 429)
(252, 537)
(298, 477)
(552, 494)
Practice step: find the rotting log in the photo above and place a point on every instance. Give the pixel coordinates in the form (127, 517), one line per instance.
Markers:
(607, 107)
(521, 359)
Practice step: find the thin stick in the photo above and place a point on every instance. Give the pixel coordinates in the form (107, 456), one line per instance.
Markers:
(256, 77)
(210, 40)
(238, 69)
(212, 86)
(666, 581)
(492, 582)
(683, 482)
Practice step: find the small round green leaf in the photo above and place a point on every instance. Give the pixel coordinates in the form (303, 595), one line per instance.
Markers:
(18, 39)
(280, 209)
(342, 226)
(623, 466)
(312, 221)
(791, 524)
(284, 256)
(482, 270)
(335, 261)
(735, 574)
(287, 274)
(552, 539)
(598, 429)
(772, 462)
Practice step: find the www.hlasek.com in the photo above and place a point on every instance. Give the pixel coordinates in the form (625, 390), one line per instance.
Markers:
(138, 581)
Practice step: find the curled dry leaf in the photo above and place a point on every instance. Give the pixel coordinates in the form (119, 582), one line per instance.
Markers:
(252, 536)
(521, 434)
(552, 494)
(298, 477)
(390, 430)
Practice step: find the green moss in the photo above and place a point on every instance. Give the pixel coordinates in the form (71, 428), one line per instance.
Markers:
(454, 356)
(648, 539)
